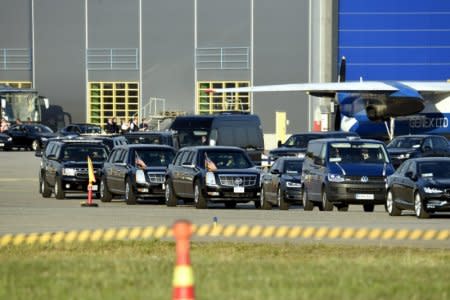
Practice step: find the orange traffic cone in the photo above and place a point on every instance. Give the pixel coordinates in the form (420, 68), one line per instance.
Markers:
(183, 277)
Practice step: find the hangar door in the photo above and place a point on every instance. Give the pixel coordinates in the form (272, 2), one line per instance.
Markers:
(395, 40)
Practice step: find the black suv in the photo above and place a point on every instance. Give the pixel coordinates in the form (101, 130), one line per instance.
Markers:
(339, 172)
(296, 144)
(64, 166)
(419, 145)
(136, 171)
(212, 174)
(153, 137)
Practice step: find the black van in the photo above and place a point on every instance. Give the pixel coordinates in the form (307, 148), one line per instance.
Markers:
(227, 129)
(339, 172)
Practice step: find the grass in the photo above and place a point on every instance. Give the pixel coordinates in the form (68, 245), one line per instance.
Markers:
(144, 269)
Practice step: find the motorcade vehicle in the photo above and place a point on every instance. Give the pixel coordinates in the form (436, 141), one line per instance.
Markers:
(5, 141)
(226, 129)
(404, 147)
(80, 128)
(297, 143)
(169, 138)
(64, 166)
(421, 185)
(339, 172)
(136, 171)
(29, 136)
(281, 185)
(220, 174)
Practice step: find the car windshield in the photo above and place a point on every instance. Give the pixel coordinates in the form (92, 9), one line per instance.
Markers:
(40, 129)
(144, 139)
(90, 129)
(293, 166)
(434, 169)
(299, 141)
(405, 142)
(81, 152)
(154, 158)
(357, 153)
(228, 159)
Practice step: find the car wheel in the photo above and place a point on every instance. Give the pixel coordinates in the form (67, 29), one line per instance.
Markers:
(326, 204)
(59, 193)
(230, 204)
(199, 199)
(105, 194)
(369, 207)
(282, 204)
(130, 195)
(391, 207)
(171, 200)
(307, 204)
(263, 200)
(34, 145)
(343, 207)
(44, 188)
(421, 213)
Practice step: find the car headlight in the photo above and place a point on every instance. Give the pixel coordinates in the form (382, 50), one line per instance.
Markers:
(432, 190)
(44, 139)
(9, 139)
(140, 176)
(291, 184)
(335, 178)
(210, 179)
(301, 155)
(68, 172)
(403, 156)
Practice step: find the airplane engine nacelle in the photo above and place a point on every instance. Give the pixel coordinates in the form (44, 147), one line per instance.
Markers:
(380, 110)
(376, 111)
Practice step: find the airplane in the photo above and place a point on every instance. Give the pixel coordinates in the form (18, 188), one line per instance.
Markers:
(377, 109)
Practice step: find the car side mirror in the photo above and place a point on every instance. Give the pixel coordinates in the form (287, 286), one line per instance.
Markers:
(275, 171)
(38, 153)
(410, 175)
(279, 144)
(188, 165)
(318, 161)
(52, 156)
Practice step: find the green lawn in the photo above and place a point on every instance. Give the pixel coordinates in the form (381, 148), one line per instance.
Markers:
(144, 269)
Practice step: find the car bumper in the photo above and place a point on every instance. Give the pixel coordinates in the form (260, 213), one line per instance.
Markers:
(293, 194)
(352, 193)
(71, 184)
(437, 202)
(221, 194)
(150, 190)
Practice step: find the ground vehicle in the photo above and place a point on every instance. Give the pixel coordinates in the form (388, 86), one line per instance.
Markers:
(80, 128)
(21, 104)
(153, 137)
(5, 141)
(212, 174)
(30, 136)
(420, 184)
(124, 173)
(419, 145)
(296, 144)
(339, 172)
(228, 129)
(281, 185)
(64, 166)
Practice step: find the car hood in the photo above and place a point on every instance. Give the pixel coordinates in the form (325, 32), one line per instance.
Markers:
(436, 182)
(156, 169)
(81, 164)
(361, 169)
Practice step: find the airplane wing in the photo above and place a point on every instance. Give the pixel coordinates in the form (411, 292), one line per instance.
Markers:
(330, 88)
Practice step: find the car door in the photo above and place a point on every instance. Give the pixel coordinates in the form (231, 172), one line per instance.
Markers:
(18, 135)
(177, 173)
(108, 169)
(189, 172)
(398, 181)
(53, 164)
(275, 173)
(409, 185)
(318, 172)
(121, 170)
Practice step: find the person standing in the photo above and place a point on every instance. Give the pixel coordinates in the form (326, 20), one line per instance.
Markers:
(109, 127)
(124, 126)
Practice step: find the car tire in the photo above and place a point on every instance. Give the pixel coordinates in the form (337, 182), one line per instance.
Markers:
(130, 195)
(266, 205)
(200, 201)
(257, 203)
(307, 204)
(326, 204)
(105, 194)
(230, 204)
(420, 211)
(282, 204)
(59, 193)
(44, 188)
(369, 207)
(34, 145)
(343, 207)
(391, 207)
(171, 200)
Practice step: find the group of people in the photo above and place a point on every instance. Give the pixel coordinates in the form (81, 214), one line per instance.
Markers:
(4, 125)
(124, 127)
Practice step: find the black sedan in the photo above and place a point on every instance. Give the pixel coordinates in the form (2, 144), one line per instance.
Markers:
(136, 171)
(29, 136)
(420, 184)
(80, 128)
(5, 141)
(281, 185)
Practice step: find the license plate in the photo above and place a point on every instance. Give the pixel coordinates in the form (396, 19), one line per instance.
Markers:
(239, 189)
(95, 187)
(365, 196)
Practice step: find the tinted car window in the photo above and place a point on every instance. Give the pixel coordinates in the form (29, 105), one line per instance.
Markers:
(440, 143)
(405, 142)
(434, 169)
(77, 153)
(155, 158)
(299, 141)
(229, 159)
(293, 166)
(356, 153)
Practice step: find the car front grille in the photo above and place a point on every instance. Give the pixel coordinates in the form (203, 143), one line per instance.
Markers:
(237, 180)
(156, 177)
(366, 180)
(82, 173)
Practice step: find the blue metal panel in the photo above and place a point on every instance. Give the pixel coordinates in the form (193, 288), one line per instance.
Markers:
(395, 40)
